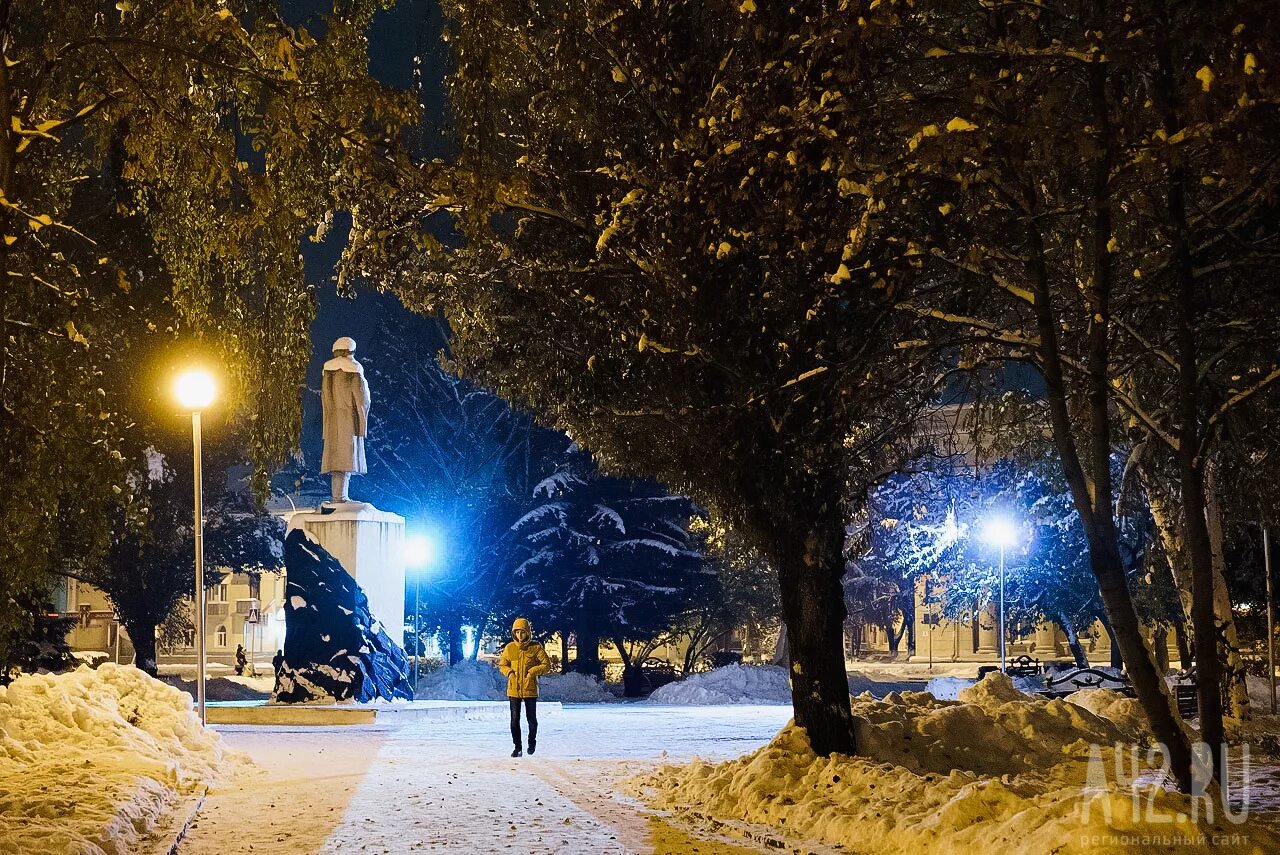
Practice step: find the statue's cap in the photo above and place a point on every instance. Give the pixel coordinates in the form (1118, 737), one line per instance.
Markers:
(345, 343)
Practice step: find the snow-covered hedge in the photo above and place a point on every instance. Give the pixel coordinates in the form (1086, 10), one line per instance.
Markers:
(480, 681)
(999, 771)
(91, 760)
(732, 684)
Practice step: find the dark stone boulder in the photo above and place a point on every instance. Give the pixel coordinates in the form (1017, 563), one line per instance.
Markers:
(334, 648)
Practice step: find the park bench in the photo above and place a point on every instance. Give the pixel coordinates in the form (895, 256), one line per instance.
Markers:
(1019, 666)
(1024, 666)
(1184, 692)
(1064, 683)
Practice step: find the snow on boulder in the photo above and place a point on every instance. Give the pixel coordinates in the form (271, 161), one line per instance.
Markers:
(997, 771)
(92, 760)
(732, 684)
(574, 688)
(466, 681)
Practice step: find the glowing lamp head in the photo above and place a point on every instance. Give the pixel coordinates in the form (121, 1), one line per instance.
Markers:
(418, 551)
(998, 531)
(195, 389)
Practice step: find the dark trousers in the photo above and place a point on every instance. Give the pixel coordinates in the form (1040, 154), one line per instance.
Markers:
(530, 712)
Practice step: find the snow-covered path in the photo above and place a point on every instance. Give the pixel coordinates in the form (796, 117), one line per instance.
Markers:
(450, 786)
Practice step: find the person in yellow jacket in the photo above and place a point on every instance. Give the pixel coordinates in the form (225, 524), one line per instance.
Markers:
(522, 662)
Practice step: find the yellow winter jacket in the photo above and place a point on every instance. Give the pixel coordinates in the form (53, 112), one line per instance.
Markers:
(523, 662)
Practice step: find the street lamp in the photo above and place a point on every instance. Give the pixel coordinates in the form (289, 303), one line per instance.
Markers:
(195, 390)
(419, 551)
(999, 532)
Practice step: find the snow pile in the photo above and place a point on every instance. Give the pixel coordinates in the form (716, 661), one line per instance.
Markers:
(91, 760)
(467, 681)
(998, 771)
(732, 684)
(949, 688)
(1122, 711)
(573, 688)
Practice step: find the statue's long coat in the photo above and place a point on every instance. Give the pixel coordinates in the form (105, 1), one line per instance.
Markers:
(344, 400)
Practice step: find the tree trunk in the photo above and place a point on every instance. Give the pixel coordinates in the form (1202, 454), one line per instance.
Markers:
(1092, 495)
(781, 649)
(1187, 408)
(1204, 627)
(1116, 661)
(1170, 525)
(1185, 656)
(909, 616)
(143, 635)
(564, 650)
(810, 564)
(454, 638)
(1160, 644)
(1073, 641)
(632, 679)
(588, 661)
(474, 653)
(1236, 689)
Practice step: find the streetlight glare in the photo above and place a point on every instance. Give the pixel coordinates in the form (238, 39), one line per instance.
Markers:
(195, 389)
(419, 551)
(998, 531)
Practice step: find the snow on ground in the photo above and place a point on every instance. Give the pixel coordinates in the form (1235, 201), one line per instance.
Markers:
(732, 684)
(480, 681)
(450, 787)
(93, 761)
(998, 770)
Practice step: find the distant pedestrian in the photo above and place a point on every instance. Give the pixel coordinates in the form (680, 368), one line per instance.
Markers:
(241, 660)
(277, 665)
(522, 662)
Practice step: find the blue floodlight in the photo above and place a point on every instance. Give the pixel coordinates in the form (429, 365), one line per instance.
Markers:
(419, 551)
(999, 531)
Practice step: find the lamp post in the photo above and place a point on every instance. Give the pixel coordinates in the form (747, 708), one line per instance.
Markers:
(195, 391)
(999, 532)
(417, 553)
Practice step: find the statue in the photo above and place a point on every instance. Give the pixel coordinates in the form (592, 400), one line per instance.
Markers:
(344, 400)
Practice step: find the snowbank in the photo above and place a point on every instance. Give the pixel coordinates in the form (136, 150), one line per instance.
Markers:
(91, 760)
(732, 684)
(997, 771)
(467, 681)
(573, 688)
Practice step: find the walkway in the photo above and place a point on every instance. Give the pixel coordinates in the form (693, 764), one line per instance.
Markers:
(449, 787)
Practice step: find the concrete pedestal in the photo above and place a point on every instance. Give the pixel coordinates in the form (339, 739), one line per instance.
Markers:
(370, 545)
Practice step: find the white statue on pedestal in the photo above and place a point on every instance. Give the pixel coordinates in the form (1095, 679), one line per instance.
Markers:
(344, 401)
